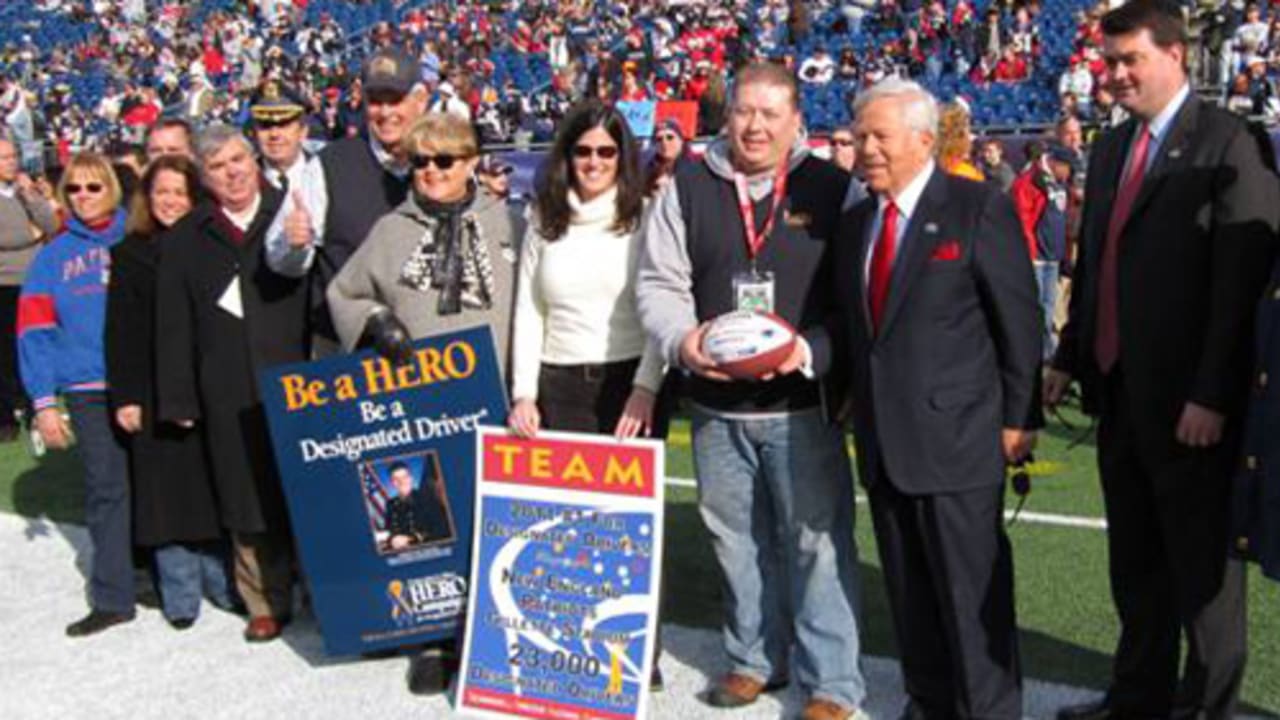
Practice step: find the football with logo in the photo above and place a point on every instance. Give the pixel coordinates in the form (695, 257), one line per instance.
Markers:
(747, 344)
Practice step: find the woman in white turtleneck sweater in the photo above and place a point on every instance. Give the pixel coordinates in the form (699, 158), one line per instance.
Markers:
(580, 359)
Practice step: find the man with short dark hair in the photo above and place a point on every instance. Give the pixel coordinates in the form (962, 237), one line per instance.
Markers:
(404, 527)
(414, 515)
(1180, 219)
(169, 136)
(995, 169)
(842, 155)
(750, 226)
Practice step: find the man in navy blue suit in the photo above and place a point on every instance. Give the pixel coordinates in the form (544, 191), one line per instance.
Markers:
(941, 309)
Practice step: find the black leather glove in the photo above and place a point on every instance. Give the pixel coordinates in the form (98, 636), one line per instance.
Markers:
(384, 332)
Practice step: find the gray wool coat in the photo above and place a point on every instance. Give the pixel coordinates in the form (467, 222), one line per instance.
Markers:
(371, 279)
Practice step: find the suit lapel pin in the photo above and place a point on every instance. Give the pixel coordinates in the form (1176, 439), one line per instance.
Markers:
(1175, 153)
(931, 228)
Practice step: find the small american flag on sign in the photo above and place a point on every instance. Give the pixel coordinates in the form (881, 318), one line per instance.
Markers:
(376, 497)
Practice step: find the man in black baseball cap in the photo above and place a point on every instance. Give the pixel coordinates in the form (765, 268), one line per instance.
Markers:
(494, 175)
(372, 170)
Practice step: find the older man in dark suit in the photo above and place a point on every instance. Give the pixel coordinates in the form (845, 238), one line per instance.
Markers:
(1180, 215)
(945, 335)
(221, 317)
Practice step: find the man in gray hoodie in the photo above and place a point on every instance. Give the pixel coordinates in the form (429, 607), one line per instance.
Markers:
(751, 224)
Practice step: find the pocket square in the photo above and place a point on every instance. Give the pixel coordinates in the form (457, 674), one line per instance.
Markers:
(949, 250)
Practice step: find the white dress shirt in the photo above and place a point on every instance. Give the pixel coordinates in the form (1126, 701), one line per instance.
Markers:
(906, 202)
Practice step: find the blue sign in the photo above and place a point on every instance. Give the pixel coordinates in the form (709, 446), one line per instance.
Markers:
(564, 600)
(639, 115)
(378, 467)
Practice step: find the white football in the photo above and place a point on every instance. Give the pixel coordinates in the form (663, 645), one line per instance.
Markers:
(746, 344)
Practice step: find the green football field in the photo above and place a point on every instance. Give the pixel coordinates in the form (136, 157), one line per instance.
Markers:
(1064, 607)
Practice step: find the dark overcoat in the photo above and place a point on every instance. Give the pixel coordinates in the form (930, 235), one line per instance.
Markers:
(1256, 516)
(173, 498)
(223, 316)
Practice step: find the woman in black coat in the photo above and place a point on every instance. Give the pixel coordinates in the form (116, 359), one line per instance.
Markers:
(174, 508)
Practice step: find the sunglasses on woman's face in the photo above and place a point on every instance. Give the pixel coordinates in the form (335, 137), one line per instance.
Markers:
(442, 161)
(667, 137)
(604, 152)
(76, 188)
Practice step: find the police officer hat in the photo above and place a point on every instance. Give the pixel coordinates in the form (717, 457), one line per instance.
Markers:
(276, 103)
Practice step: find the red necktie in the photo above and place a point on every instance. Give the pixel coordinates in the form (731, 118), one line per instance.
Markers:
(1106, 347)
(882, 264)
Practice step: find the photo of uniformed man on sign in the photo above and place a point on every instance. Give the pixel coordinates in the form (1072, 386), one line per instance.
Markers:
(406, 502)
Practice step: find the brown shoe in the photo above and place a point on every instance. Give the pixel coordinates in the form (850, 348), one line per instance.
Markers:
(736, 690)
(263, 629)
(822, 709)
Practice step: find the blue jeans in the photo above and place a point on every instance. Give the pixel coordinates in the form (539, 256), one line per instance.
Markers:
(189, 571)
(1047, 281)
(776, 494)
(106, 501)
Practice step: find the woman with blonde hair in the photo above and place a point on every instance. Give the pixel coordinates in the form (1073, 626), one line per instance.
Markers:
(955, 143)
(437, 262)
(61, 313)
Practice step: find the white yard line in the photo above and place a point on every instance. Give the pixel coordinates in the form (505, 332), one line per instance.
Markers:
(1026, 516)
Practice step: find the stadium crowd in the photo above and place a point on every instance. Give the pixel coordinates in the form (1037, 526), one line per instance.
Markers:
(515, 68)
(162, 260)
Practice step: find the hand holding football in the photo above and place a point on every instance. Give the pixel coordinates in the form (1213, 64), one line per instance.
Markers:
(747, 345)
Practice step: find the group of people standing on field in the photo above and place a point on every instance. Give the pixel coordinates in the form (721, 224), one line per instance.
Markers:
(919, 322)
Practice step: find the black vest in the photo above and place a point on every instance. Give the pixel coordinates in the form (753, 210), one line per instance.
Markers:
(360, 191)
(796, 252)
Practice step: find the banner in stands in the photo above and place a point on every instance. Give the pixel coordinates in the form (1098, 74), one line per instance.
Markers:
(639, 115)
(564, 599)
(378, 467)
(684, 112)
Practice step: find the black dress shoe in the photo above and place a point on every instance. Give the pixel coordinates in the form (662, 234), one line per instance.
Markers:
(1096, 710)
(95, 622)
(431, 670)
(182, 623)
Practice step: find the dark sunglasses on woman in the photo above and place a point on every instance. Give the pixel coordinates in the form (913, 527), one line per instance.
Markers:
(93, 187)
(604, 152)
(443, 161)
